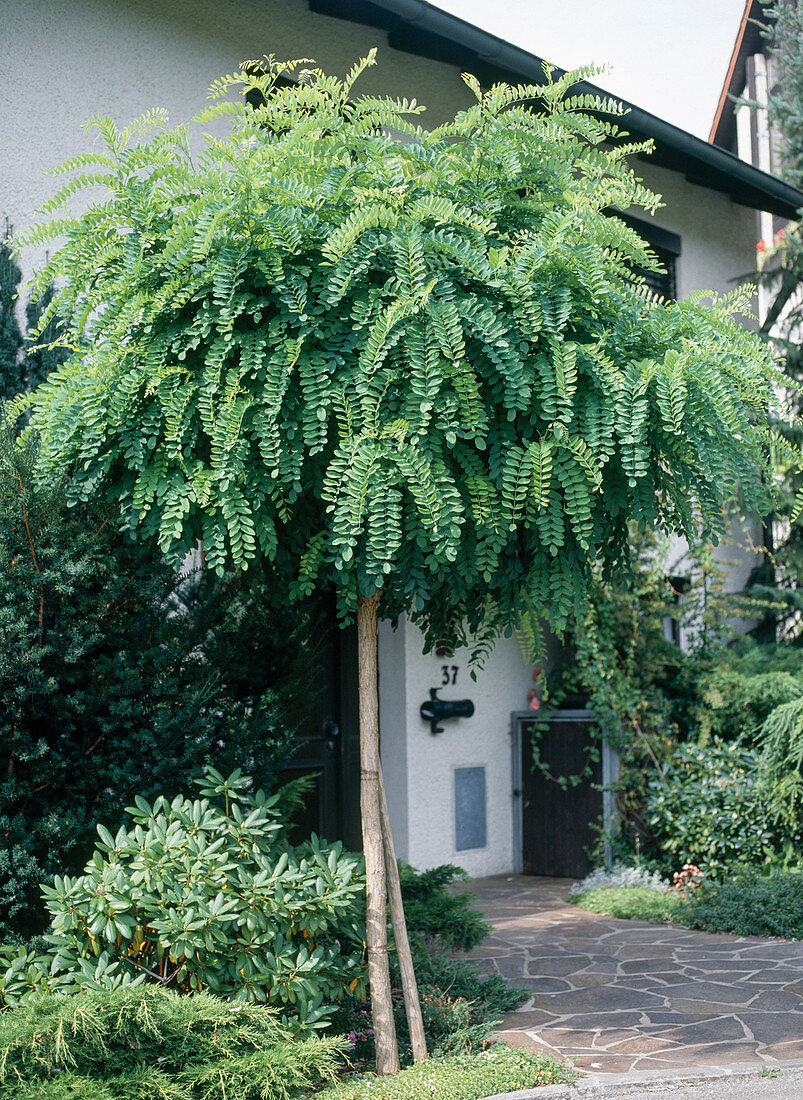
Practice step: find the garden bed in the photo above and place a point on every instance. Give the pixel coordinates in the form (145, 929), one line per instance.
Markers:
(750, 903)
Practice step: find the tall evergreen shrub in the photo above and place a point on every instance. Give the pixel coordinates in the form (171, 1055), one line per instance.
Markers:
(25, 359)
(106, 689)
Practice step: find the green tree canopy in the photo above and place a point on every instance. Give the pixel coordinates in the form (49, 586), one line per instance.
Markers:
(382, 357)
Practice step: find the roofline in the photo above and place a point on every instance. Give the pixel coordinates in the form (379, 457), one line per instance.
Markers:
(726, 87)
(702, 163)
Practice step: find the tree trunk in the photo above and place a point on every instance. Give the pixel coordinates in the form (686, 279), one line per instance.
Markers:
(387, 1050)
(412, 1005)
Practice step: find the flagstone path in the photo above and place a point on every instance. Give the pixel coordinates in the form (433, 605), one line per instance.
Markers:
(616, 995)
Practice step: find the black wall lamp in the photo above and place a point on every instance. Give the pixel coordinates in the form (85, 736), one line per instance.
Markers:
(434, 710)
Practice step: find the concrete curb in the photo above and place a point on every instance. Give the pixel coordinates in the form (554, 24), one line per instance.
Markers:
(607, 1084)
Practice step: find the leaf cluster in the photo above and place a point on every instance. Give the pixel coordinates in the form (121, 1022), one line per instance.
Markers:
(708, 808)
(739, 692)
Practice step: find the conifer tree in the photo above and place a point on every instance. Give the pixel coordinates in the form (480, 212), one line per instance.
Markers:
(24, 361)
(413, 365)
(106, 690)
(11, 341)
(777, 580)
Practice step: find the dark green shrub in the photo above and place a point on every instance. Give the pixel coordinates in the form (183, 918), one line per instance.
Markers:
(461, 1008)
(206, 894)
(709, 810)
(440, 916)
(25, 360)
(146, 1043)
(105, 690)
(459, 978)
(749, 904)
(734, 703)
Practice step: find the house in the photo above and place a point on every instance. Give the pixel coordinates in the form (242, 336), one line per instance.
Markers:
(452, 794)
(741, 122)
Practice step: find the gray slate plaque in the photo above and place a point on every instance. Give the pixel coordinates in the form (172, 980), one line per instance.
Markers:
(469, 808)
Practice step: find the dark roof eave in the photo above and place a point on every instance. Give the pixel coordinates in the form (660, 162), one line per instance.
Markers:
(701, 163)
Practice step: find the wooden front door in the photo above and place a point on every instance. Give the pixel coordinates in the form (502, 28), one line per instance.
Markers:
(558, 824)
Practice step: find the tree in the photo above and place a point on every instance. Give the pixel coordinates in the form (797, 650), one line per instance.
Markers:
(781, 273)
(11, 340)
(24, 362)
(415, 366)
(117, 676)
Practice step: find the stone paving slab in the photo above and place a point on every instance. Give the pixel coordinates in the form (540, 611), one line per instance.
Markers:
(619, 996)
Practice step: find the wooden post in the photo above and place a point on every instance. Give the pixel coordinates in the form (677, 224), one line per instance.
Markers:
(387, 1049)
(412, 1005)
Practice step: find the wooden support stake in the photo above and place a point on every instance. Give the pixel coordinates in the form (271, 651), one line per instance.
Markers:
(412, 1005)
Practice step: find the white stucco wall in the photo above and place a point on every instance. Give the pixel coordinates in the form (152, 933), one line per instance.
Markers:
(63, 61)
(718, 237)
(419, 765)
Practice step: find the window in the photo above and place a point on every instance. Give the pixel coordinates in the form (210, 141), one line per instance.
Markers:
(666, 247)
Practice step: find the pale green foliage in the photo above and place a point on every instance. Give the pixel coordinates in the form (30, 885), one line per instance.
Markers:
(464, 1077)
(206, 894)
(781, 763)
(619, 877)
(149, 1044)
(417, 362)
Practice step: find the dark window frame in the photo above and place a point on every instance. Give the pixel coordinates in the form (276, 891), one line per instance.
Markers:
(666, 245)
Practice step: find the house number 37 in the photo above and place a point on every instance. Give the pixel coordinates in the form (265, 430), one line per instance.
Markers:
(449, 674)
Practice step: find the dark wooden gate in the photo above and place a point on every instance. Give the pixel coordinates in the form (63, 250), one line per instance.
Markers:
(328, 742)
(557, 824)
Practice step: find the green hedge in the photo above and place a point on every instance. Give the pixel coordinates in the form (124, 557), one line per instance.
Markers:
(707, 809)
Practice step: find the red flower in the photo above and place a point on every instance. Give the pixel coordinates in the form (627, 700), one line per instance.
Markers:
(535, 704)
(781, 234)
(760, 246)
